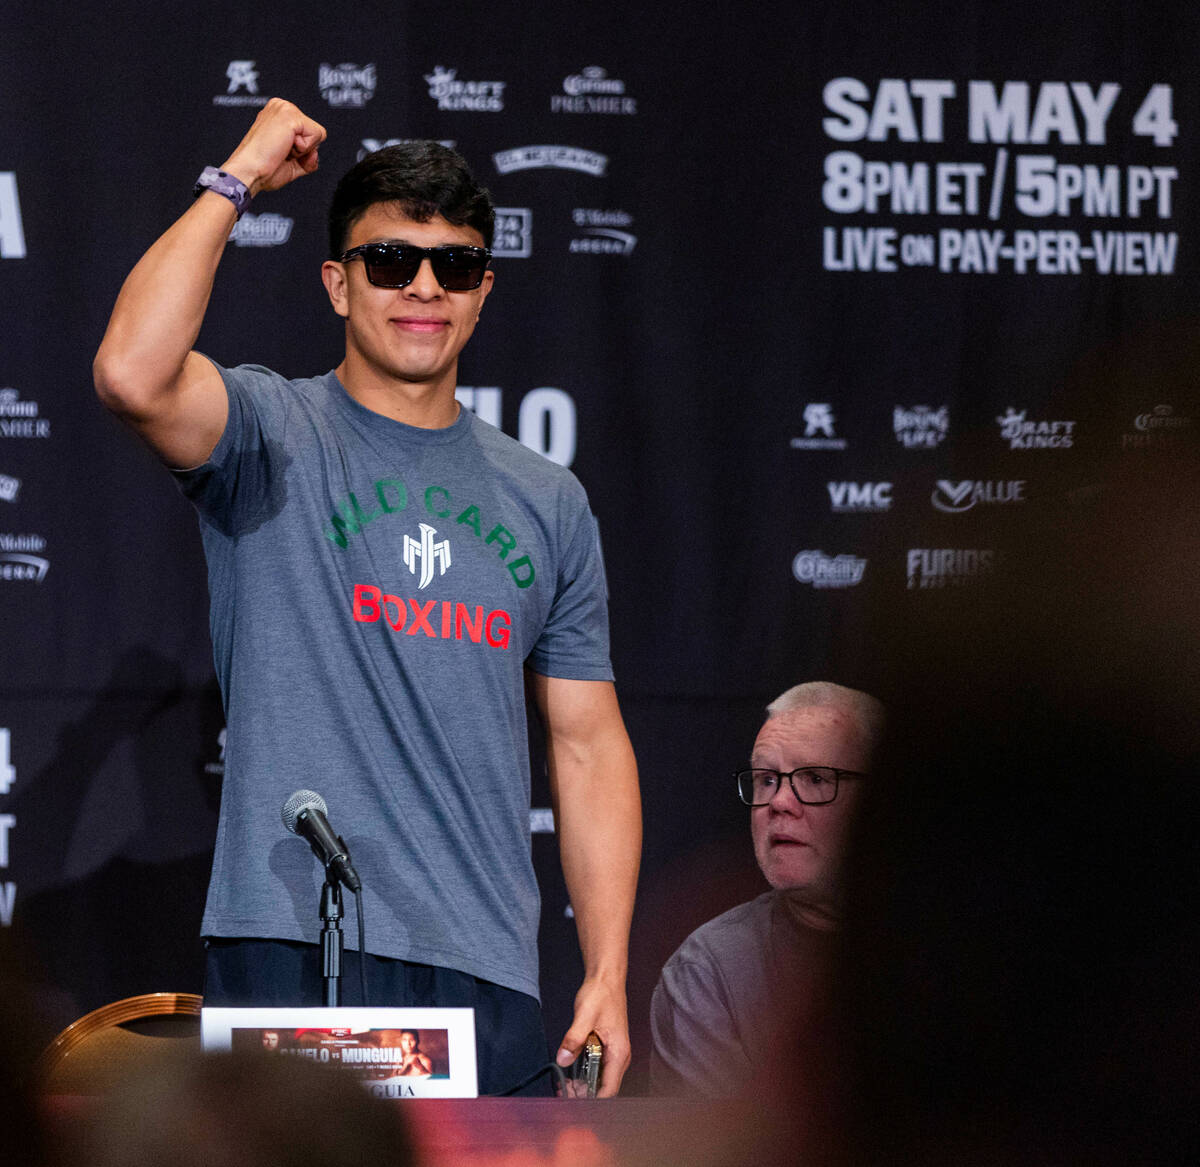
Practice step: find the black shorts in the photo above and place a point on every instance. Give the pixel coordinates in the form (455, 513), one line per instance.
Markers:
(510, 1039)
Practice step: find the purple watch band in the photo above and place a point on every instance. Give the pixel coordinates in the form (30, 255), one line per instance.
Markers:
(221, 183)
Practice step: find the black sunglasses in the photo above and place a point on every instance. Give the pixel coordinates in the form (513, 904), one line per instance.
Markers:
(458, 268)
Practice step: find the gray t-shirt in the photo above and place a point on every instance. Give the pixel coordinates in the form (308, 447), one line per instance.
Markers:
(737, 999)
(376, 591)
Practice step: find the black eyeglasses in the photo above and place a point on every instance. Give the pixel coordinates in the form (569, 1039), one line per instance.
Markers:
(812, 785)
(458, 268)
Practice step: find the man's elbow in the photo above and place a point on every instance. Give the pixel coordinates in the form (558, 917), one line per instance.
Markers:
(122, 388)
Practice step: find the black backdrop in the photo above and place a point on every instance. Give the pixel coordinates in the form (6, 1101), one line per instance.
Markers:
(769, 279)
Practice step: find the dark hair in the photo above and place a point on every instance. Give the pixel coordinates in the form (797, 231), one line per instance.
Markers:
(424, 178)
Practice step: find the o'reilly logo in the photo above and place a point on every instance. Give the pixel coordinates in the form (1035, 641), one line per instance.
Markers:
(848, 497)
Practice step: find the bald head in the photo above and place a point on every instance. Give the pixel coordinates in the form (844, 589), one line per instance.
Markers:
(863, 711)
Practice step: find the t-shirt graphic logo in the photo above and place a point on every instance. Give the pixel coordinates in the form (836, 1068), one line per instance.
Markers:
(242, 75)
(818, 418)
(432, 555)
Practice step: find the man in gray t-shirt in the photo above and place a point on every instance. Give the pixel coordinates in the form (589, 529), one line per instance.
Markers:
(388, 576)
(742, 989)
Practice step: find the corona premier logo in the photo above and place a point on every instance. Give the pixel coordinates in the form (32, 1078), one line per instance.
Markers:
(592, 90)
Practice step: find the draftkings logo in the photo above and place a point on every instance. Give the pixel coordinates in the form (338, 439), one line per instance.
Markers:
(1159, 427)
(551, 157)
(940, 567)
(1021, 434)
(859, 497)
(266, 230)
(514, 233)
(818, 429)
(9, 488)
(956, 497)
(19, 419)
(920, 428)
(473, 96)
(602, 232)
(347, 86)
(828, 571)
(243, 86)
(592, 90)
(20, 559)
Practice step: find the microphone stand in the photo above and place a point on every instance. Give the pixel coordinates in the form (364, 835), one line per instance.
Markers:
(332, 940)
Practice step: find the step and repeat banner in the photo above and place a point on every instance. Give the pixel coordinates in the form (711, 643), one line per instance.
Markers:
(836, 310)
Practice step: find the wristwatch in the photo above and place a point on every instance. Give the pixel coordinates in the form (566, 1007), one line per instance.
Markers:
(236, 191)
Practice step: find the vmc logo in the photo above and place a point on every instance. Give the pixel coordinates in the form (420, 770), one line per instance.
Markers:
(865, 497)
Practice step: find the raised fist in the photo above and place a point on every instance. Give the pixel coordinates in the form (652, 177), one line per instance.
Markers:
(281, 145)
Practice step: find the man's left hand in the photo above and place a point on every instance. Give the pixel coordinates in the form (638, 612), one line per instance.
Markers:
(599, 1006)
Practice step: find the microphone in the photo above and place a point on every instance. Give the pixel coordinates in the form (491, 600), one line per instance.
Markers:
(304, 815)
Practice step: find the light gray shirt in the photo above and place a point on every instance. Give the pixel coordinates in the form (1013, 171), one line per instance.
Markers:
(376, 592)
(733, 997)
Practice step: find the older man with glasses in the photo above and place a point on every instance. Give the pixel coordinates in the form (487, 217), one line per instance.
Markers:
(740, 989)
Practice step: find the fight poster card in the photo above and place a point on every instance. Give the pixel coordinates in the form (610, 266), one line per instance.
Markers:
(395, 1053)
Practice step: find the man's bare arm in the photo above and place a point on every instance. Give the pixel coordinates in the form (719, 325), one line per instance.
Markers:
(145, 370)
(597, 809)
